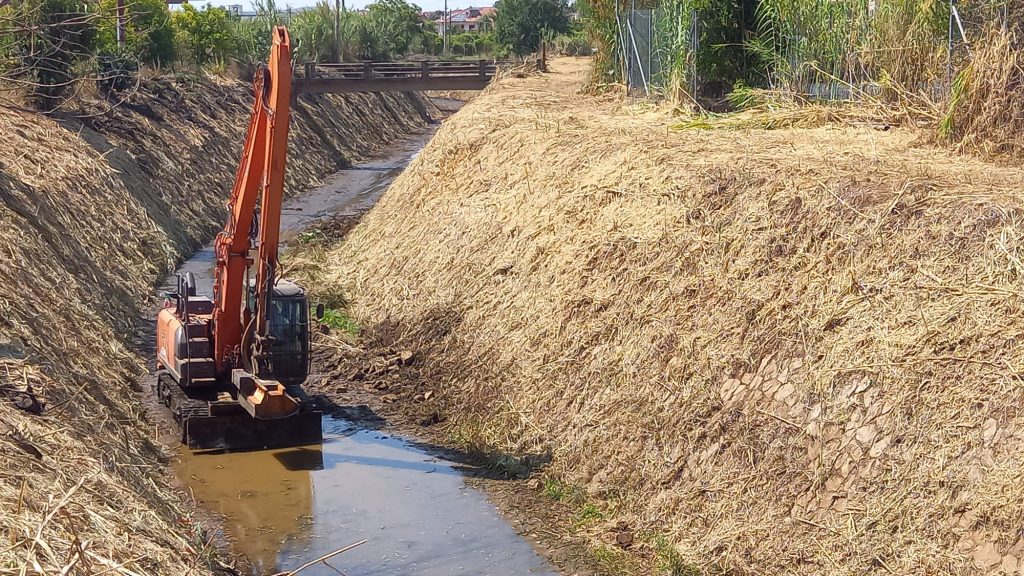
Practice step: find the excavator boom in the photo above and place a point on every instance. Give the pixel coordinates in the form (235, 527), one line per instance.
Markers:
(230, 367)
(260, 175)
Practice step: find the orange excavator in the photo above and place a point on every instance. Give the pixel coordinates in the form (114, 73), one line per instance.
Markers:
(230, 368)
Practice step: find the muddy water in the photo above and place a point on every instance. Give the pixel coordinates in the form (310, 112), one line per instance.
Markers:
(282, 508)
(286, 507)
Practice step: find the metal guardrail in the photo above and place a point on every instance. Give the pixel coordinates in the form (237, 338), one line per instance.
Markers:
(397, 76)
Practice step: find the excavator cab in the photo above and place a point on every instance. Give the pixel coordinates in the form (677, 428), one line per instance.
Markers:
(288, 323)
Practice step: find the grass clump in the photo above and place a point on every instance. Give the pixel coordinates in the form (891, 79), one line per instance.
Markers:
(339, 319)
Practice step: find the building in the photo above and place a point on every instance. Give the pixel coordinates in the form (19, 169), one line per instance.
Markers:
(467, 20)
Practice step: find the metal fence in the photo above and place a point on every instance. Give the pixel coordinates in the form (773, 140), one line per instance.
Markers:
(842, 55)
(657, 48)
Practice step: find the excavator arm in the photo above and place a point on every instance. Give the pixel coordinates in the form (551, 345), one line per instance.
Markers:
(241, 338)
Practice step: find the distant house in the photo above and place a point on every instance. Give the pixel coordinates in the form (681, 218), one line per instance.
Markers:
(467, 20)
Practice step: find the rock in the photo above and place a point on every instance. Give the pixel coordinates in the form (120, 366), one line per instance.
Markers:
(418, 398)
(533, 484)
(624, 539)
(406, 357)
(389, 398)
(428, 395)
(381, 385)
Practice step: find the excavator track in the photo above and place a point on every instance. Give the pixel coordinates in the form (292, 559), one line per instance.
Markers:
(214, 423)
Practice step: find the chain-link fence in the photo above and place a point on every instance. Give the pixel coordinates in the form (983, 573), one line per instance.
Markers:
(657, 48)
(822, 49)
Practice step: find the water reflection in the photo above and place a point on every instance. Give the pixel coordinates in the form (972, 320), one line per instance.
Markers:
(266, 497)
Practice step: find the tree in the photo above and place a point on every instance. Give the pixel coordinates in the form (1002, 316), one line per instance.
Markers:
(394, 24)
(42, 41)
(206, 34)
(427, 42)
(148, 32)
(520, 24)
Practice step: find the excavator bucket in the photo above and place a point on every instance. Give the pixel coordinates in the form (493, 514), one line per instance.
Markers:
(240, 431)
(263, 399)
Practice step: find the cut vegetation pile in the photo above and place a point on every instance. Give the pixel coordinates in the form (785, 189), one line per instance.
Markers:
(986, 109)
(790, 351)
(91, 215)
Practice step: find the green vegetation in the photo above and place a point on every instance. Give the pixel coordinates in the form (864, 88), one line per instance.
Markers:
(206, 35)
(559, 492)
(669, 561)
(796, 45)
(338, 319)
(48, 46)
(42, 42)
(520, 24)
(149, 35)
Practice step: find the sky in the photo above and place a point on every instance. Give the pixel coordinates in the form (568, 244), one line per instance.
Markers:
(426, 5)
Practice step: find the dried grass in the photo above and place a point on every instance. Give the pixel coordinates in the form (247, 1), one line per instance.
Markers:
(792, 351)
(986, 109)
(91, 216)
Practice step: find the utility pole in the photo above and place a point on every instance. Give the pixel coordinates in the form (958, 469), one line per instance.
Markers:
(337, 31)
(120, 24)
(444, 30)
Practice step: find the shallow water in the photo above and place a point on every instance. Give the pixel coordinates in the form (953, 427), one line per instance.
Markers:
(286, 507)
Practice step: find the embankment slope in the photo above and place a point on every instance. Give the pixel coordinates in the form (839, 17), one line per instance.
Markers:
(93, 211)
(792, 351)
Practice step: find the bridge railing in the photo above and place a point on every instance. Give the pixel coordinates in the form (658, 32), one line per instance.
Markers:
(398, 70)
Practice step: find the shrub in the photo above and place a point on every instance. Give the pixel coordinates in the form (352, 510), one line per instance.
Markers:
(312, 33)
(206, 36)
(42, 43)
(149, 36)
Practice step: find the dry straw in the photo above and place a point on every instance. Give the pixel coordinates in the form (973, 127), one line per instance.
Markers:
(792, 351)
(986, 109)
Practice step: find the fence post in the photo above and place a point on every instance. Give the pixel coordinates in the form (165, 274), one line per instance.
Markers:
(483, 68)
(310, 68)
(367, 70)
(425, 69)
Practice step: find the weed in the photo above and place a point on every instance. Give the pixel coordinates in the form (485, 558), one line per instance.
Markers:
(312, 237)
(560, 492)
(670, 561)
(587, 514)
(510, 466)
(338, 319)
(614, 560)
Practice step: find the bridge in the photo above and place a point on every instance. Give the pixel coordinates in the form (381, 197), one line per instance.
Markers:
(396, 76)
